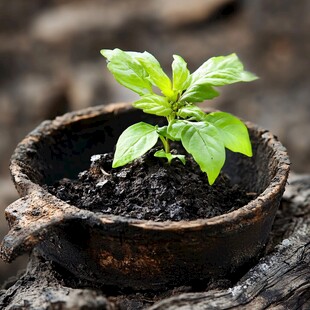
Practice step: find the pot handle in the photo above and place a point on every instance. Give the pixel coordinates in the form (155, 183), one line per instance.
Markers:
(30, 218)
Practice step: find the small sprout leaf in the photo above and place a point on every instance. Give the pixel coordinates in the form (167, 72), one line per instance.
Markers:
(204, 144)
(191, 111)
(222, 70)
(233, 132)
(180, 74)
(156, 75)
(135, 141)
(170, 157)
(175, 129)
(198, 93)
(154, 104)
(128, 71)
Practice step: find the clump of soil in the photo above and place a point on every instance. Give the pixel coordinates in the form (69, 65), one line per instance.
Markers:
(151, 189)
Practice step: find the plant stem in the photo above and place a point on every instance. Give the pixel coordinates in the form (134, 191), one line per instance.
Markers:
(165, 142)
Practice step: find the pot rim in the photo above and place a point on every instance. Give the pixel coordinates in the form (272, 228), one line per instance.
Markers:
(247, 212)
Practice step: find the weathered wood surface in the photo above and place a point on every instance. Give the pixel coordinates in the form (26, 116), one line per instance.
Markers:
(281, 280)
(40, 288)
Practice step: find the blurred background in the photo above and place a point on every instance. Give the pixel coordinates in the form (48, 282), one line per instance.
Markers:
(50, 63)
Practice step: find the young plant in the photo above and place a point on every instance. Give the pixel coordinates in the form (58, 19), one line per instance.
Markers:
(204, 136)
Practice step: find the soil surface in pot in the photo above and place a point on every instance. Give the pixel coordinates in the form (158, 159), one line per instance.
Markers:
(149, 188)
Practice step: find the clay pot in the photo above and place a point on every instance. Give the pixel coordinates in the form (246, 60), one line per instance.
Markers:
(125, 252)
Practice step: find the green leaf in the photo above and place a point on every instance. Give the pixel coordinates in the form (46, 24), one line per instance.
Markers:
(233, 131)
(204, 143)
(128, 71)
(180, 74)
(198, 93)
(163, 131)
(154, 104)
(217, 71)
(222, 70)
(175, 129)
(169, 156)
(191, 111)
(135, 141)
(156, 75)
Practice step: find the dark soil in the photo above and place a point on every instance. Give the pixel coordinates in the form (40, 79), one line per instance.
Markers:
(151, 189)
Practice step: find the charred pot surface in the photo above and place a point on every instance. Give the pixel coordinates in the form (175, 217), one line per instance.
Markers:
(279, 279)
(138, 254)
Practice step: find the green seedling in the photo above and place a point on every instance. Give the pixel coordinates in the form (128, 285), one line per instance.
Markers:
(204, 136)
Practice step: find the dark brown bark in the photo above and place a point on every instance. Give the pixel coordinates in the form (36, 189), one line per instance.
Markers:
(281, 280)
